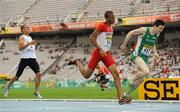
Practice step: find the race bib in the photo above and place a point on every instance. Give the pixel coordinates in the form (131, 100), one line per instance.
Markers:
(146, 51)
(108, 41)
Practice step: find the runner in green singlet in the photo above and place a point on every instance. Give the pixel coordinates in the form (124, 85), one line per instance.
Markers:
(146, 43)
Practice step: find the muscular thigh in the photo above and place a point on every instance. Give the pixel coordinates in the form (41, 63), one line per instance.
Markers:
(94, 60)
(34, 65)
(141, 64)
(22, 65)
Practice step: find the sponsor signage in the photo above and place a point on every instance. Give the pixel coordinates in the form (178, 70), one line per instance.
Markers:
(160, 89)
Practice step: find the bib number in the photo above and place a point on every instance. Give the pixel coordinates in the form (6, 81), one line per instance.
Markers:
(146, 51)
(108, 43)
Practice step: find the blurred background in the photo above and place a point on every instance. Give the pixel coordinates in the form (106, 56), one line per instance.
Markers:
(62, 27)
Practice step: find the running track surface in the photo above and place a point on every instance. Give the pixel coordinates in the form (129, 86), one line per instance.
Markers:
(85, 106)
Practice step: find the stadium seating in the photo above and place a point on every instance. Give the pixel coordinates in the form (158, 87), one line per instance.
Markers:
(96, 9)
(10, 9)
(157, 7)
(43, 11)
(53, 11)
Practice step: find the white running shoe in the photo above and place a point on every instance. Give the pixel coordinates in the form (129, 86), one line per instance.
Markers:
(37, 94)
(5, 91)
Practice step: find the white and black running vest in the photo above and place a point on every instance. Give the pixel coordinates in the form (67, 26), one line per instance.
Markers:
(28, 52)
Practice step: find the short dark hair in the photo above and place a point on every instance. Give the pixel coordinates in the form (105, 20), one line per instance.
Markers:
(22, 27)
(106, 14)
(158, 22)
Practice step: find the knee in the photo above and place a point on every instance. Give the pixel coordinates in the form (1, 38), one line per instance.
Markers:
(147, 73)
(87, 76)
(38, 75)
(87, 73)
(15, 78)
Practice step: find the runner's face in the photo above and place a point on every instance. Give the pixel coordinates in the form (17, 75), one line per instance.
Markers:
(111, 18)
(26, 29)
(159, 29)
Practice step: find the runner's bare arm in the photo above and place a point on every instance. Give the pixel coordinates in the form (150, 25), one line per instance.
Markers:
(136, 32)
(154, 50)
(22, 45)
(93, 38)
(156, 56)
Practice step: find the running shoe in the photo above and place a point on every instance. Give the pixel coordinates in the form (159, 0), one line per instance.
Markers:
(37, 94)
(73, 62)
(5, 91)
(125, 100)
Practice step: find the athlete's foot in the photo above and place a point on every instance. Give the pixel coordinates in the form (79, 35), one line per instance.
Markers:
(128, 98)
(73, 62)
(125, 100)
(37, 94)
(5, 91)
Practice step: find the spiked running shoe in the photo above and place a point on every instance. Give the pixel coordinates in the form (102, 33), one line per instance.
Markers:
(73, 62)
(5, 91)
(37, 94)
(125, 100)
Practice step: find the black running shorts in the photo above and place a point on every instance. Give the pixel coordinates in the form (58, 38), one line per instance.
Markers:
(31, 62)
